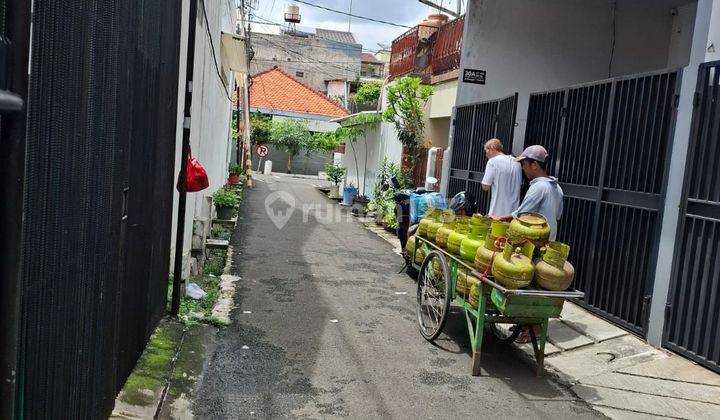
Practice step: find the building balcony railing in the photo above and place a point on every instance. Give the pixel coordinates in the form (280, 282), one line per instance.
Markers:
(402, 53)
(446, 50)
(438, 55)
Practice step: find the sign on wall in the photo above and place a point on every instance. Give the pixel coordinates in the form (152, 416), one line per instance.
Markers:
(474, 76)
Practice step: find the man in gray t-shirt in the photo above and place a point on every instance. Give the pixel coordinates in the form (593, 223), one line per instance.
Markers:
(545, 195)
(503, 178)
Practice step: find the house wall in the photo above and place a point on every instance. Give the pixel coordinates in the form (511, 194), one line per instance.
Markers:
(319, 59)
(712, 52)
(529, 46)
(211, 112)
(437, 131)
(381, 142)
(701, 38)
(302, 164)
(335, 89)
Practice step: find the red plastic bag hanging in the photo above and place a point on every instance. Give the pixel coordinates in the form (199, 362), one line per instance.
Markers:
(196, 178)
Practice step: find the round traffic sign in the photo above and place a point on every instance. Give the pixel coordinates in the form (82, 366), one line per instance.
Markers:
(262, 150)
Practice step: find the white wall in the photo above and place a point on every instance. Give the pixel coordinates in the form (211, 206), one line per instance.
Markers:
(713, 43)
(681, 36)
(381, 142)
(528, 46)
(211, 112)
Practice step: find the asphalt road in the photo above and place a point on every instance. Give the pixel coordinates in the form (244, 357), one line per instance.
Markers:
(332, 333)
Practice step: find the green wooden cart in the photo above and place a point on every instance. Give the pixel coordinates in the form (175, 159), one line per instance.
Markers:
(436, 288)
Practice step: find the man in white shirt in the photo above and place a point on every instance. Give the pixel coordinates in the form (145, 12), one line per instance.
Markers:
(503, 178)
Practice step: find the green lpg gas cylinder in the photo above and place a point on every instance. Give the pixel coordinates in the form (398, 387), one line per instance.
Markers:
(444, 231)
(431, 216)
(484, 254)
(445, 216)
(419, 256)
(464, 283)
(553, 271)
(474, 295)
(529, 226)
(514, 268)
(410, 245)
(479, 226)
(456, 237)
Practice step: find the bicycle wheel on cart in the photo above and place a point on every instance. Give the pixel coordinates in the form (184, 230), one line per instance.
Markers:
(434, 292)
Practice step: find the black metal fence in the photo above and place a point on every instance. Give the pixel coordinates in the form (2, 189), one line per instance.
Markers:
(474, 125)
(692, 324)
(98, 198)
(609, 144)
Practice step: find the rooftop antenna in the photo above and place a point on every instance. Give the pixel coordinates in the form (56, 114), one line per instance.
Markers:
(350, 16)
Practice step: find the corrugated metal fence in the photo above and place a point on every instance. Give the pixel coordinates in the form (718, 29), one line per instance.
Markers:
(609, 145)
(692, 325)
(475, 124)
(98, 198)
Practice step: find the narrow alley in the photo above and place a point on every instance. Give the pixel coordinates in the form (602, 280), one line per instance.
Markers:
(324, 327)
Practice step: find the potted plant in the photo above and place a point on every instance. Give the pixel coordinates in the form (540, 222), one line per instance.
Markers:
(235, 170)
(335, 173)
(225, 202)
(349, 194)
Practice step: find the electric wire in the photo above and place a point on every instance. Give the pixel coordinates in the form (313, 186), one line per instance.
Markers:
(212, 48)
(353, 15)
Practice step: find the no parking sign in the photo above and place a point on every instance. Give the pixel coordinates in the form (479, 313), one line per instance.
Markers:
(262, 150)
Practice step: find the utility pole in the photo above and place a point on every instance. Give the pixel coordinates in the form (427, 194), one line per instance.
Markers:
(189, 66)
(246, 99)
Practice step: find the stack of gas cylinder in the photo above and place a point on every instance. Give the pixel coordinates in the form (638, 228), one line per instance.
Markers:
(517, 254)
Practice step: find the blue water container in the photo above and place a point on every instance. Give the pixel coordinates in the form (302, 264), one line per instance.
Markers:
(349, 194)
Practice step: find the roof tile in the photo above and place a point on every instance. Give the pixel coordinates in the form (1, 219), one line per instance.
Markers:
(277, 90)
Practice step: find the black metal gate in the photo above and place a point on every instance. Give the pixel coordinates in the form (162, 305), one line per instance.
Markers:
(101, 125)
(609, 145)
(692, 324)
(474, 125)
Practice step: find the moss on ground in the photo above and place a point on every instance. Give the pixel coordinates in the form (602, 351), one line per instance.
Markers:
(145, 383)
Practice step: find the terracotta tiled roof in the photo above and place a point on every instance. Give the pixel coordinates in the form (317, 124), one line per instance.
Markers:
(277, 90)
(369, 58)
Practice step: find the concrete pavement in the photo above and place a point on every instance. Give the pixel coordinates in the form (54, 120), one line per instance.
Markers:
(323, 327)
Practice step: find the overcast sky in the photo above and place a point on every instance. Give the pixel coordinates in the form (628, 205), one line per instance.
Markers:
(369, 34)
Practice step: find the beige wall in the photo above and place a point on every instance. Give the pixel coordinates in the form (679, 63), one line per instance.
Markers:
(439, 111)
(437, 130)
(443, 100)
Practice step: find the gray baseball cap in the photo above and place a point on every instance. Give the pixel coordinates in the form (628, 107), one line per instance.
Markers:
(534, 152)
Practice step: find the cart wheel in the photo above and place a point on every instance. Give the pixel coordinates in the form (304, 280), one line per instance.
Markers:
(506, 337)
(433, 295)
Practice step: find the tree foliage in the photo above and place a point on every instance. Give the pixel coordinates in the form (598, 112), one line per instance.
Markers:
(406, 100)
(259, 128)
(292, 136)
(368, 93)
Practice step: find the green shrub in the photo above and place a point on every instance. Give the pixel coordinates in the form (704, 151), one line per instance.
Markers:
(225, 198)
(335, 173)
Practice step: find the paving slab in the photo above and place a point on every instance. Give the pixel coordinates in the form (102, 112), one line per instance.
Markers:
(608, 356)
(527, 348)
(588, 324)
(565, 337)
(661, 387)
(675, 368)
(616, 413)
(648, 404)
